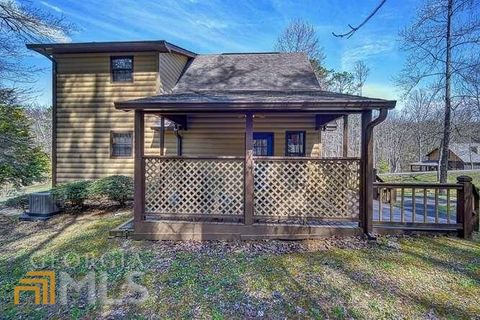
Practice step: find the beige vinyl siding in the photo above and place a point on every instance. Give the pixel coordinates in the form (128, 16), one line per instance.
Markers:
(86, 113)
(223, 134)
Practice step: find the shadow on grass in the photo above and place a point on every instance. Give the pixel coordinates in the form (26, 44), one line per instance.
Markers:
(79, 234)
(411, 296)
(367, 283)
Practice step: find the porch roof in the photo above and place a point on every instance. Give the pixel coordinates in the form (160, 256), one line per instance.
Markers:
(261, 100)
(251, 81)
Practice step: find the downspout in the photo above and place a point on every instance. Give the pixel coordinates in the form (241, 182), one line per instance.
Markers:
(367, 173)
(54, 122)
(179, 140)
(381, 117)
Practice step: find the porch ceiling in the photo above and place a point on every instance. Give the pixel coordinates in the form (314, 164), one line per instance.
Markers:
(261, 100)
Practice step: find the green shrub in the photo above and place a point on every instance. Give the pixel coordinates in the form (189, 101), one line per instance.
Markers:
(117, 188)
(17, 202)
(383, 166)
(73, 193)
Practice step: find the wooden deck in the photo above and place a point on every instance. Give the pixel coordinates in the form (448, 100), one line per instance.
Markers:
(206, 198)
(405, 208)
(181, 230)
(286, 230)
(234, 198)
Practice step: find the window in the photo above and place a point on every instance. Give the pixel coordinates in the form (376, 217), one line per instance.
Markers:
(121, 144)
(295, 143)
(121, 69)
(263, 144)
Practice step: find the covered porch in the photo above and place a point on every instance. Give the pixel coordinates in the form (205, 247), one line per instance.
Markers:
(242, 192)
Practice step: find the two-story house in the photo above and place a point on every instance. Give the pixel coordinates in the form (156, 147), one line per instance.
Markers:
(232, 137)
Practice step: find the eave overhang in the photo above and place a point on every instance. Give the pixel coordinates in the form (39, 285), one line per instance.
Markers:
(49, 49)
(206, 107)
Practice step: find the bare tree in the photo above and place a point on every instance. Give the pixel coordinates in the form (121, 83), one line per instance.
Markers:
(422, 118)
(465, 123)
(300, 36)
(41, 126)
(360, 73)
(21, 23)
(391, 143)
(441, 42)
(469, 87)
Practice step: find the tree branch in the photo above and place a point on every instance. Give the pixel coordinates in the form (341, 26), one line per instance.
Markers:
(352, 31)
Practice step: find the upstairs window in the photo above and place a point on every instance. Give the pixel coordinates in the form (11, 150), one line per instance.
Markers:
(121, 144)
(121, 69)
(295, 143)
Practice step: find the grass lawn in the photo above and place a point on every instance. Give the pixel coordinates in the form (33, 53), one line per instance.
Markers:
(416, 277)
(431, 177)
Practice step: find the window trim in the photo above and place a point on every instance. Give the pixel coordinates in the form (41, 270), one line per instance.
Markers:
(288, 154)
(112, 133)
(111, 68)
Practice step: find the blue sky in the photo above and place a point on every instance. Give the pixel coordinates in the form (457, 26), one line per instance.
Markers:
(242, 26)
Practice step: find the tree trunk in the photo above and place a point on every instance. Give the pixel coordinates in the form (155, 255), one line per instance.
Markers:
(448, 73)
(420, 154)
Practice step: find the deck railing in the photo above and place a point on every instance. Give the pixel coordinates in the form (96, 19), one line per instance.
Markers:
(284, 188)
(192, 186)
(435, 206)
(416, 203)
(306, 188)
(300, 189)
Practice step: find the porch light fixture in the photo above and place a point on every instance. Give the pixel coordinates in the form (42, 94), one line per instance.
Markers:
(169, 125)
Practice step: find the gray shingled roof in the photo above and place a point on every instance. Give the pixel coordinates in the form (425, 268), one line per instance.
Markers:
(463, 151)
(260, 71)
(251, 80)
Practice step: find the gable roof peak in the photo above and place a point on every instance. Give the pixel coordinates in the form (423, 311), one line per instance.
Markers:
(249, 71)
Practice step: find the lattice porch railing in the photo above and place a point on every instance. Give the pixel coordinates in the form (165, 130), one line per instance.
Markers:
(194, 186)
(307, 188)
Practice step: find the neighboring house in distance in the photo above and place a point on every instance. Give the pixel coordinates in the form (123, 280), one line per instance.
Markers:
(220, 145)
(462, 156)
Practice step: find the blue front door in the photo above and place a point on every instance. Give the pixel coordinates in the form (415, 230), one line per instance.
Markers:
(263, 143)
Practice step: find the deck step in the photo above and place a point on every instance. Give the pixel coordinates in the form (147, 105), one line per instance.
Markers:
(125, 230)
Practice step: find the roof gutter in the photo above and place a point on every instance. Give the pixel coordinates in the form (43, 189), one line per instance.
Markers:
(239, 106)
